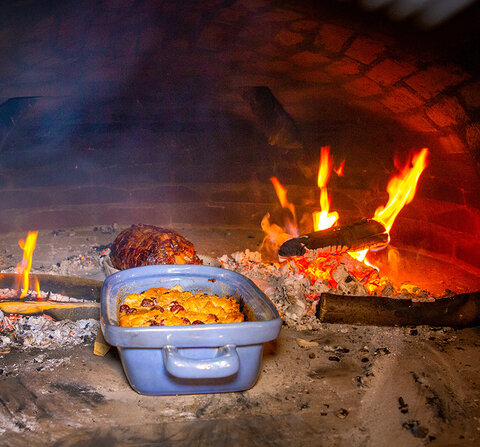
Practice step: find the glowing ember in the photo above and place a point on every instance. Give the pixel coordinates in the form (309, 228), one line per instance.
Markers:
(401, 189)
(24, 267)
(324, 219)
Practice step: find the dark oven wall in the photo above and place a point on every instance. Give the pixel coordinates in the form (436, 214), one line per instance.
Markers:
(139, 111)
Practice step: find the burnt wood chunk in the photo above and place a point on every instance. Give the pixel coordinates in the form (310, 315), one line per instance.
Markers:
(278, 126)
(458, 311)
(367, 233)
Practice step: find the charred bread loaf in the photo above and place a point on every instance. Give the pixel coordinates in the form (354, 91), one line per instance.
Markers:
(149, 245)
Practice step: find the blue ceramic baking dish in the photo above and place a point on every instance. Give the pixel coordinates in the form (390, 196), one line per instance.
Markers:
(209, 358)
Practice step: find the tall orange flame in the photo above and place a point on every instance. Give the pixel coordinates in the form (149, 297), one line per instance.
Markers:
(24, 267)
(324, 219)
(402, 188)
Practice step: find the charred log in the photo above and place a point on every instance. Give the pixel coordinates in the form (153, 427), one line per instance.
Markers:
(458, 311)
(367, 233)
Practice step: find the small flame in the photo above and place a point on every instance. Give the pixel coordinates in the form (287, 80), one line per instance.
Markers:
(324, 219)
(24, 267)
(281, 192)
(401, 189)
(339, 170)
(275, 236)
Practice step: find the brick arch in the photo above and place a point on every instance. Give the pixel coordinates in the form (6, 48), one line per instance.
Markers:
(348, 83)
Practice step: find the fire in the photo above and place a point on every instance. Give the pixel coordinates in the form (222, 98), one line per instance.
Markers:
(291, 225)
(324, 219)
(339, 170)
(24, 267)
(402, 188)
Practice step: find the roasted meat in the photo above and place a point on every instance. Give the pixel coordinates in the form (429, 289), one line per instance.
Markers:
(148, 245)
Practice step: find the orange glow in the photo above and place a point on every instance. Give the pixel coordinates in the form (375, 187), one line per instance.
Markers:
(24, 267)
(324, 219)
(37, 288)
(339, 170)
(274, 237)
(401, 189)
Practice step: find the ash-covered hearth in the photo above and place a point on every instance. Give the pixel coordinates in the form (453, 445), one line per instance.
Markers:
(329, 383)
(276, 137)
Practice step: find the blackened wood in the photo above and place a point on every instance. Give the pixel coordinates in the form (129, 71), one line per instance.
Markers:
(275, 122)
(367, 233)
(458, 311)
(80, 288)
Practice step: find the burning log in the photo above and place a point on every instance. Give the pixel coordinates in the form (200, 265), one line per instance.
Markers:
(362, 235)
(458, 311)
(57, 310)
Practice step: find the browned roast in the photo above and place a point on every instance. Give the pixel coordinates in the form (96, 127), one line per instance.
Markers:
(147, 245)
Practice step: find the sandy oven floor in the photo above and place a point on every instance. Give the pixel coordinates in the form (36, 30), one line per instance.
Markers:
(348, 386)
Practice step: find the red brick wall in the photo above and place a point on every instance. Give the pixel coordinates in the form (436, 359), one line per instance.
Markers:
(363, 89)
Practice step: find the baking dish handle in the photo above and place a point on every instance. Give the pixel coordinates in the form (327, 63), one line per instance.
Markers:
(224, 364)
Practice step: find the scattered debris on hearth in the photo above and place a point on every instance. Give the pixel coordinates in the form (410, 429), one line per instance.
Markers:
(306, 344)
(34, 332)
(107, 229)
(341, 413)
(415, 428)
(83, 265)
(79, 265)
(402, 406)
(39, 363)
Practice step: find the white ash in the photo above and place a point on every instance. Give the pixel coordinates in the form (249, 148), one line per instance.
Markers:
(12, 294)
(78, 265)
(42, 332)
(84, 265)
(39, 363)
(348, 284)
(285, 288)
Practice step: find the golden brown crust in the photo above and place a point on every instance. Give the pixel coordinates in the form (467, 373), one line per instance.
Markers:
(148, 245)
(174, 307)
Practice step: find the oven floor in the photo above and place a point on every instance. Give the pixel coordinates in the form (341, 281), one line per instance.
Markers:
(352, 386)
(337, 386)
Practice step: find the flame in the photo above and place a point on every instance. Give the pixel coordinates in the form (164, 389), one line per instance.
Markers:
(401, 189)
(275, 236)
(24, 267)
(339, 170)
(281, 192)
(324, 219)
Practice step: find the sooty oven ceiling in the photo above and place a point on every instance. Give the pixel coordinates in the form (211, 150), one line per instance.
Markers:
(120, 111)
